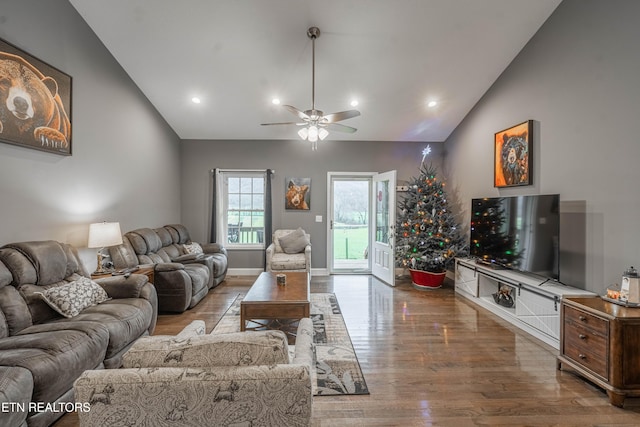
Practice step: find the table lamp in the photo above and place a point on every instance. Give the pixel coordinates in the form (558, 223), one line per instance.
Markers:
(102, 235)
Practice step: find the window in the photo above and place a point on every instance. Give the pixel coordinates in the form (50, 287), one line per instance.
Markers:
(240, 202)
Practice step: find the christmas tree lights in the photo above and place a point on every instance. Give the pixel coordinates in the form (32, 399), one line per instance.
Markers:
(428, 235)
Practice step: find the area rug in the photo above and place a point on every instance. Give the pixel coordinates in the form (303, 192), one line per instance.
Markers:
(337, 366)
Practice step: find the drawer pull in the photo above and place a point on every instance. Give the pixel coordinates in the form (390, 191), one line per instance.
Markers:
(582, 318)
(582, 336)
(582, 356)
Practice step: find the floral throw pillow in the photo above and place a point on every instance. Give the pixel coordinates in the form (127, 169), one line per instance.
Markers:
(193, 248)
(70, 299)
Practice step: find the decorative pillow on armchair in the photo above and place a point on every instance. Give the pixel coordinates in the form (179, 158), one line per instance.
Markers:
(294, 242)
(70, 299)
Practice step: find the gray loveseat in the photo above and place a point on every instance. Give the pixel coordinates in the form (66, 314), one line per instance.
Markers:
(41, 351)
(181, 279)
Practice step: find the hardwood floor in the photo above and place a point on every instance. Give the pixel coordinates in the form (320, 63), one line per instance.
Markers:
(432, 358)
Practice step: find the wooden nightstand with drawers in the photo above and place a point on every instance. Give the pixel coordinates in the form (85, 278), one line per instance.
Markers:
(601, 342)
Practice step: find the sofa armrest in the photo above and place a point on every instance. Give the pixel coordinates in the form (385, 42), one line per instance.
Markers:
(168, 266)
(213, 248)
(252, 395)
(234, 349)
(134, 286)
(305, 350)
(271, 249)
(183, 259)
(123, 287)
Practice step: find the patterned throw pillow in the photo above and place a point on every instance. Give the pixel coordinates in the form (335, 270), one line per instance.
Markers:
(70, 299)
(193, 248)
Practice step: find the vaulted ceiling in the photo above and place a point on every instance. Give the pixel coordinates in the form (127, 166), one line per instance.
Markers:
(392, 56)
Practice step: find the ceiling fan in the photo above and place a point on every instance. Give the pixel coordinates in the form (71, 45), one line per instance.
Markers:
(316, 123)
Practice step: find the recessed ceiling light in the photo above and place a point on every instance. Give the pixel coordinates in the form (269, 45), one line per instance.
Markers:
(432, 104)
(275, 101)
(354, 103)
(196, 100)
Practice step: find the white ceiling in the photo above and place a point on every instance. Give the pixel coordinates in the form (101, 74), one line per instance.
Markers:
(392, 55)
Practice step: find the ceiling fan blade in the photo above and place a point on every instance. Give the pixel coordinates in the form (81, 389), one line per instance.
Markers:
(340, 128)
(282, 123)
(342, 115)
(297, 112)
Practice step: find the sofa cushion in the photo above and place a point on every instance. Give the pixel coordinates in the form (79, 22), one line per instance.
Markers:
(294, 242)
(199, 274)
(219, 264)
(4, 326)
(126, 320)
(234, 349)
(71, 298)
(15, 310)
(39, 263)
(282, 261)
(179, 233)
(16, 386)
(5, 275)
(56, 354)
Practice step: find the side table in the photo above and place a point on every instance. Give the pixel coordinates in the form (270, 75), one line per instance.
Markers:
(600, 341)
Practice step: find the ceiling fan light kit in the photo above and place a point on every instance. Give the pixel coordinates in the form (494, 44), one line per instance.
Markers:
(316, 123)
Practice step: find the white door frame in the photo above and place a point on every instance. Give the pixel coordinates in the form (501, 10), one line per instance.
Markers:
(330, 177)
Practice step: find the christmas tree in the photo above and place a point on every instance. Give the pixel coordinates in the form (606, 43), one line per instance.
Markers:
(428, 236)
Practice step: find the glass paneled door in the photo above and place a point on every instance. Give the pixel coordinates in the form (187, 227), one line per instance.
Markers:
(384, 213)
(349, 222)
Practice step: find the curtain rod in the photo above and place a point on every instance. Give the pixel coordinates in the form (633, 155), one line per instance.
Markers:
(243, 170)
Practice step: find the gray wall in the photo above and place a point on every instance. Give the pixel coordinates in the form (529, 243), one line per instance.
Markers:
(578, 79)
(126, 160)
(290, 158)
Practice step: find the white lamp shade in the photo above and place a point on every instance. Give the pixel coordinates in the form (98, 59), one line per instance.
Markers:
(323, 133)
(303, 133)
(104, 234)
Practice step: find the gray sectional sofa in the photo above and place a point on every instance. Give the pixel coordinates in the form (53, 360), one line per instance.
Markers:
(182, 279)
(42, 352)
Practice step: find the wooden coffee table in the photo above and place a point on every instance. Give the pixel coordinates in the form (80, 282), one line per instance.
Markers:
(268, 305)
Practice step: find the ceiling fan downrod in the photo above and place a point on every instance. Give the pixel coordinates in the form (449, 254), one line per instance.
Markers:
(313, 33)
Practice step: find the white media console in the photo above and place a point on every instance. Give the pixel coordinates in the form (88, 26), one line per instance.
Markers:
(537, 301)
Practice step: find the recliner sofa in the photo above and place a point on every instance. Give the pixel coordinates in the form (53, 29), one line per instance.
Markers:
(181, 279)
(41, 352)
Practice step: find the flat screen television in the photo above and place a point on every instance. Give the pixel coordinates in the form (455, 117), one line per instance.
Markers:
(518, 232)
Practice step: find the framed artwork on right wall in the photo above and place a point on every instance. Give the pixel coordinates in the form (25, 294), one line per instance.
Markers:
(512, 156)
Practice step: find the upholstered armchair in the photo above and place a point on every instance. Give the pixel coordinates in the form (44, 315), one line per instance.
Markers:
(244, 378)
(290, 250)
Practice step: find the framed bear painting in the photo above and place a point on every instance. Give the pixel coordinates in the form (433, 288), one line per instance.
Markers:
(512, 156)
(35, 102)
